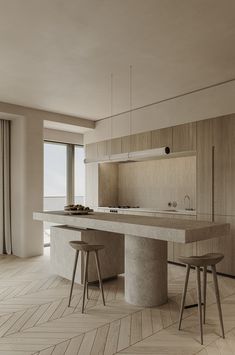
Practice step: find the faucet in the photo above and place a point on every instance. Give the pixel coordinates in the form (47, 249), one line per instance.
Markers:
(187, 197)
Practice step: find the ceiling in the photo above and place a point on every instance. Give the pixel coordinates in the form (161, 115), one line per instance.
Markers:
(58, 55)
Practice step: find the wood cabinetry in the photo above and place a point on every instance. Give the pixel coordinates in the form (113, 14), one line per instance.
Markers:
(224, 165)
(126, 144)
(140, 141)
(108, 184)
(120, 145)
(115, 146)
(184, 137)
(220, 134)
(184, 249)
(204, 246)
(201, 136)
(161, 138)
(226, 246)
(170, 245)
(103, 150)
(204, 166)
(92, 182)
(179, 138)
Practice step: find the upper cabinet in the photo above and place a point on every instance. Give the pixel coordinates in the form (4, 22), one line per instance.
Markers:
(140, 141)
(91, 151)
(116, 146)
(184, 137)
(224, 165)
(98, 151)
(126, 144)
(103, 149)
(161, 138)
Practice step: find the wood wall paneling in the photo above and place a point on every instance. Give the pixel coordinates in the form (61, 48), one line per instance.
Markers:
(126, 144)
(152, 184)
(140, 141)
(204, 166)
(116, 146)
(92, 177)
(204, 246)
(170, 245)
(180, 249)
(161, 138)
(108, 184)
(103, 149)
(184, 137)
(226, 246)
(224, 167)
(199, 136)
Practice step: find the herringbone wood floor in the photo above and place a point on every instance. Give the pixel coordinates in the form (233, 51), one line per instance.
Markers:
(35, 319)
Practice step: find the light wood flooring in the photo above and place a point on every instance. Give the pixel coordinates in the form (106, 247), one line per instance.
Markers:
(35, 319)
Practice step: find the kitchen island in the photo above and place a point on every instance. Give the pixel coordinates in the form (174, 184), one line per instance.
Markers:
(145, 246)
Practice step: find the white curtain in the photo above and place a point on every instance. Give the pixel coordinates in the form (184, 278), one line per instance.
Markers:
(5, 206)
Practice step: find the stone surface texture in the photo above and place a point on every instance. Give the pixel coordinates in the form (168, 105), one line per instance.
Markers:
(62, 254)
(145, 271)
(175, 230)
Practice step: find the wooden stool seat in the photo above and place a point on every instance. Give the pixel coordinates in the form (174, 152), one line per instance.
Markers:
(83, 246)
(86, 249)
(74, 244)
(201, 261)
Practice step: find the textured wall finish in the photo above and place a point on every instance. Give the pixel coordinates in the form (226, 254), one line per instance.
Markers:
(62, 255)
(154, 183)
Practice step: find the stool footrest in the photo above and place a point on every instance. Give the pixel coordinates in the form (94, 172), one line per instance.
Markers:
(193, 305)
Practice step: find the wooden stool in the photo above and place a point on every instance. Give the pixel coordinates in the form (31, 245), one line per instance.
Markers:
(86, 249)
(202, 261)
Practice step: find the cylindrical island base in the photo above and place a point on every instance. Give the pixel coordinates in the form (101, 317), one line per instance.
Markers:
(145, 271)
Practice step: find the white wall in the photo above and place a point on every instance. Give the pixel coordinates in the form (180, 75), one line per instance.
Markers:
(208, 103)
(63, 137)
(26, 185)
(27, 136)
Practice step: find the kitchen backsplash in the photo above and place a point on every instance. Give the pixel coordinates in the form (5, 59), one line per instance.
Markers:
(154, 183)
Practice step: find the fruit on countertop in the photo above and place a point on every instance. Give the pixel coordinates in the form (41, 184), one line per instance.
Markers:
(77, 208)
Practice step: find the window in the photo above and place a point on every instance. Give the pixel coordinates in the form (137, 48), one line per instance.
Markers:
(64, 178)
(55, 176)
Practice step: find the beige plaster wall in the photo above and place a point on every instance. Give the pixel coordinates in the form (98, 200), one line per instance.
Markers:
(153, 183)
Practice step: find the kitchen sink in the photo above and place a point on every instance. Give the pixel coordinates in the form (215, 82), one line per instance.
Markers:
(170, 210)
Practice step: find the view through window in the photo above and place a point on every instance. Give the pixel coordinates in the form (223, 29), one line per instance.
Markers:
(57, 177)
(79, 175)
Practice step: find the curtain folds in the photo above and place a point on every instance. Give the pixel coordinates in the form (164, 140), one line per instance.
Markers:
(5, 180)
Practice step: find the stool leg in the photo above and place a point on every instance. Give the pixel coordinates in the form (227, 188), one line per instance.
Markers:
(184, 295)
(218, 298)
(204, 292)
(74, 272)
(199, 301)
(85, 279)
(99, 275)
(87, 291)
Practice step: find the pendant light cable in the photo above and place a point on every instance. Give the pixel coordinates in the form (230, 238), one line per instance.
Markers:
(130, 96)
(111, 105)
